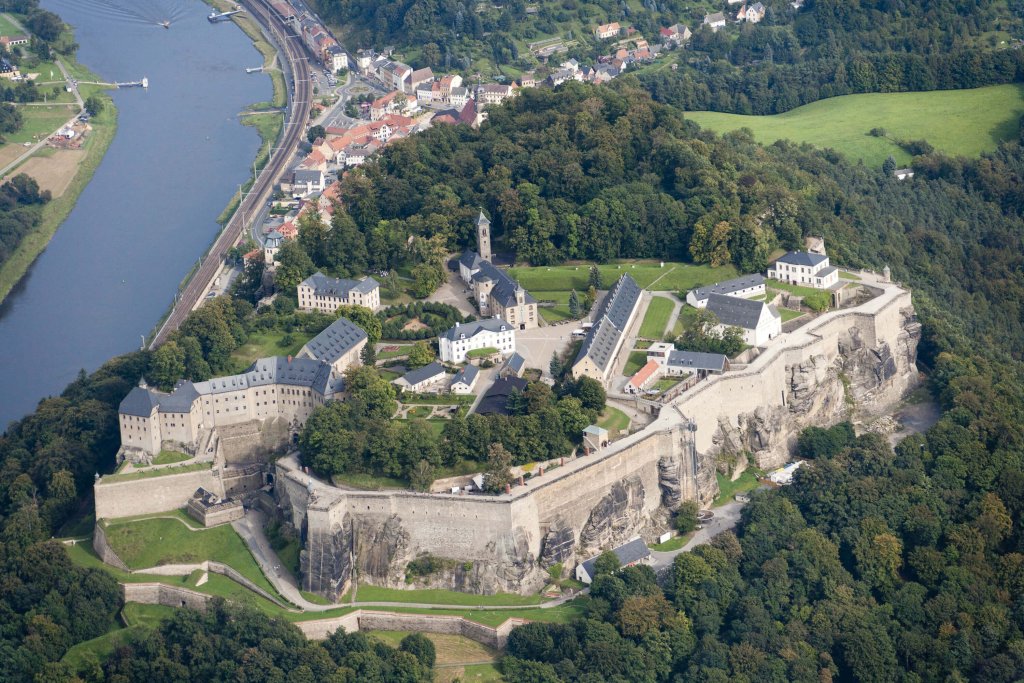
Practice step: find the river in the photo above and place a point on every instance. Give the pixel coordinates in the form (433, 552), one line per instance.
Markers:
(149, 212)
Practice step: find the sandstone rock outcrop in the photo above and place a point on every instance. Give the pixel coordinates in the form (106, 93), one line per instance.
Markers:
(558, 545)
(669, 481)
(616, 516)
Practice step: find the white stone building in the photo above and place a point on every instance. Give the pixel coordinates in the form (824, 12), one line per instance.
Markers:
(747, 286)
(805, 269)
(493, 333)
(759, 321)
(319, 292)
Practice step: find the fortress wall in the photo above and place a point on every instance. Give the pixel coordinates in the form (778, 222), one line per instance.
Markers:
(162, 594)
(367, 620)
(152, 494)
(765, 382)
(449, 526)
(570, 499)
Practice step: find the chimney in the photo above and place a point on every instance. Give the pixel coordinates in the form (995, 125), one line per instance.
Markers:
(522, 480)
(457, 324)
(508, 488)
(289, 359)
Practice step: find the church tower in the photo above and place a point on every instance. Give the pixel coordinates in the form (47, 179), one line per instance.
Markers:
(483, 236)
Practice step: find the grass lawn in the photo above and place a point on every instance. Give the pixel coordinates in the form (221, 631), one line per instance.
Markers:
(728, 489)
(656, 318)
(40, 122)
(674, 543)
(542, 280)
(666, 383)
(402, 350)
(846, 275)
(451, 650)
(137, 614)
(794, 289)
(161, 472)
(170, 457)
(152, 542)
(388, 374)
(984, 117)
(789, 314)
(687, 314)
(367, 593)
(287, 549)
(614, 420)
(369, 482)
(482, 353)
(637, 359)
(419, 412)
(263, 344)
(436, 426)
(7, 27)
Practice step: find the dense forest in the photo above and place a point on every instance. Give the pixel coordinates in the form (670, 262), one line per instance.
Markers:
(21, 208)
(875, 566)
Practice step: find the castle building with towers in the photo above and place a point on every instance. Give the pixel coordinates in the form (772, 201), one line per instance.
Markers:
(496, 293)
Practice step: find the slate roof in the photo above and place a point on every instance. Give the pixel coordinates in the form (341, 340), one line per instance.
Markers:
(470, 259)
(495, 401)
(736, 312)
(139, 402)
(801, 258)
(611, 317)
(515, 363)
(303, 175)
(426, 372)
(471, 329)
(825, 272)
(323, 285)
(729, 286)
(697, 360)
(504, 290)
(339, 338)
(466, 375)
(180, 400)
(631, 552)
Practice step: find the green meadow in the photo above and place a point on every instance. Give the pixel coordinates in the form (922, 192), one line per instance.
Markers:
(955, 122)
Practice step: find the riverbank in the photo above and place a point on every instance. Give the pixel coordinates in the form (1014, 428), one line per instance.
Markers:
(268, 124)
(104, 127)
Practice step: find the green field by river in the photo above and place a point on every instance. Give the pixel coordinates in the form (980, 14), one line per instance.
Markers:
(955, 122)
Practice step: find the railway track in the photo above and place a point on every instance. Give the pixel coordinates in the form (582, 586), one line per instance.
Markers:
(294, 126)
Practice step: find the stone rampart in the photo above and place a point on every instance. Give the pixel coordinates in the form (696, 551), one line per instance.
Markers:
(369, 620)
(162, 594)
(152, 494)
(103, 549)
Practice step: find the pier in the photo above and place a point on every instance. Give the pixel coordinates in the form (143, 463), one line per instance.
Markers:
(253, 69)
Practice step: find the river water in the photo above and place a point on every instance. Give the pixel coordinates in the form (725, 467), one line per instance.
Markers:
(149, 212)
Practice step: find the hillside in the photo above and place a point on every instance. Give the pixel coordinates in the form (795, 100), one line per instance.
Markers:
(875, 566)
(985, 117)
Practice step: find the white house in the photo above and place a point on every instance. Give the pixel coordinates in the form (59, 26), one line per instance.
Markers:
(784, 475)
(746, 287)
(427, 378)
(606, 31)
(465, 380)
(759, 321)
(490, 333)
(805, 269)
(318, 292)
(715, 21)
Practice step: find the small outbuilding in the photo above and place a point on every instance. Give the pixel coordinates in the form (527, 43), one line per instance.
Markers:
(631, 553)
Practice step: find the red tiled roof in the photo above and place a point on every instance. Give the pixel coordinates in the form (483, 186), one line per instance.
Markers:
(643, 374)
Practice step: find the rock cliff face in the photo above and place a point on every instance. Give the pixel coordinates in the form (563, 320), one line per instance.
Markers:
(861, 381)
(616, 516)
(380, 552)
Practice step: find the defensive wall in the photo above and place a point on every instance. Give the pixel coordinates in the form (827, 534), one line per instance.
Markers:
(161, 493)
(858, 358)
(370, 620)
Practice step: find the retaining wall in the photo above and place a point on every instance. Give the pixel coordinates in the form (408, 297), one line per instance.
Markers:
(152, 494)
(368, 620)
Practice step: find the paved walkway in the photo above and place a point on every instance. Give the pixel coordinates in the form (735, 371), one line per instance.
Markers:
(726, 517)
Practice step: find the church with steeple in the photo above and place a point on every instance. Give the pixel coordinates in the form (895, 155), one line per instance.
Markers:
(495, 292)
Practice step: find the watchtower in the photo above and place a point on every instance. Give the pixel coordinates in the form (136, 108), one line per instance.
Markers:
(483, 236)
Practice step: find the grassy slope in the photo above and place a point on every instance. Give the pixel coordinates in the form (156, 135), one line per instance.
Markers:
(263, 344)
(614, 420)
(152, 542)
(984, 117)
(656, 318)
